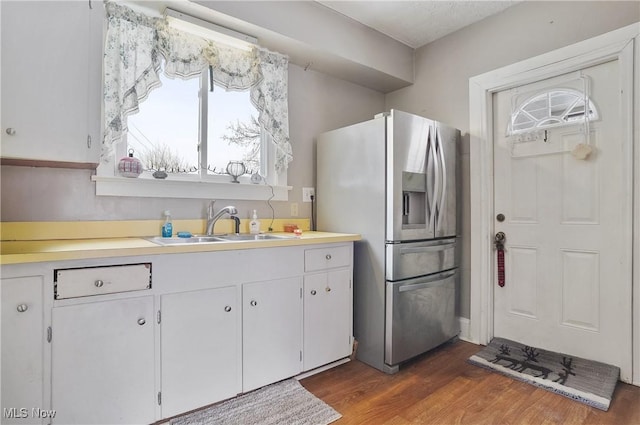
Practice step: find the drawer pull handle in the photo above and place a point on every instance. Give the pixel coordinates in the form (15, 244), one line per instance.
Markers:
(22, 308)
(99, 283)
(227, 308)
(328, 256)
(253, 303)
(141, 321)
(313, 292)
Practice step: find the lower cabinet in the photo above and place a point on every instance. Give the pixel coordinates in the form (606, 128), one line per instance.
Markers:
(327, 317)
(125, 346)
(103, 362)
(271, 331)
(199, 349)
(23, 348)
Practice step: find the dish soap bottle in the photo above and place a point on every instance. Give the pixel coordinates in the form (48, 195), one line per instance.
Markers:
(167, 227)
(254, 224)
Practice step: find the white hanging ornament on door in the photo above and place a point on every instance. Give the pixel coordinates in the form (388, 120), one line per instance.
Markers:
(581, 151)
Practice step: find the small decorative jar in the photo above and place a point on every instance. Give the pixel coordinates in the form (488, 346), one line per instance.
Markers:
(130, 166)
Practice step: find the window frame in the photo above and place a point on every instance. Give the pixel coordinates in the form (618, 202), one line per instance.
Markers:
(547, 122)
(203, 185)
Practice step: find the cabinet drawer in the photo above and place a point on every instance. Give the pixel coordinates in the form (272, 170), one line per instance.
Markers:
(327, 258)
(84, 282)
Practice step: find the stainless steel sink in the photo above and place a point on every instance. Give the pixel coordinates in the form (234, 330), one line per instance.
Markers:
(185, 241)
(196, 240)
(244, 237)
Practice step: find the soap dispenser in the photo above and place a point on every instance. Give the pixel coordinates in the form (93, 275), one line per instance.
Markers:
(254, 224)
(167, 227)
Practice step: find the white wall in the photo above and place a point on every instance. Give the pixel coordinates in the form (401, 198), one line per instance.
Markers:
(443, 69)
(317, 103)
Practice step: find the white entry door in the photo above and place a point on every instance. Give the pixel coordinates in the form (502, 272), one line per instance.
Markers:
(567, 221)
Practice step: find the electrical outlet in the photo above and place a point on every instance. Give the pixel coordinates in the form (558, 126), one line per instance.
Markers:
(307, 193)
(294, 209)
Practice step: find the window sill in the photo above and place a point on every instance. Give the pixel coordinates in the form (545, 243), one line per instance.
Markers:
(152, 188)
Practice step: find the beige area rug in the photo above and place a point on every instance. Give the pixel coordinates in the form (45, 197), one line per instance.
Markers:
(283, 403)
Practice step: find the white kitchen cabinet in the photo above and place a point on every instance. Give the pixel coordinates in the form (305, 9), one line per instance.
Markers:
(23, 348)
(51, 80)
(271, 331)
(199, 348)
(103, 362)
(327, 317)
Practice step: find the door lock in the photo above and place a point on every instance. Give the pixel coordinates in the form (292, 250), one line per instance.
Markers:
(499, 239)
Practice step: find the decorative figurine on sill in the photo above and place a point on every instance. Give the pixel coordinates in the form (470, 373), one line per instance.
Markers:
(160, 174)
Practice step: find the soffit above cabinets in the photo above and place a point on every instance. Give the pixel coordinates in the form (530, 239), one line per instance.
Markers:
(370, 43)
(313, 36)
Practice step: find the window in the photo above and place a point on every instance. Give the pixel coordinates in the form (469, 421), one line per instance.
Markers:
(552, 108)
(195, 137)
(178, 125)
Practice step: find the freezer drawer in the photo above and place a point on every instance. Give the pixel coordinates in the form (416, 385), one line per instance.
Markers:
(410, 259)
(420, 315)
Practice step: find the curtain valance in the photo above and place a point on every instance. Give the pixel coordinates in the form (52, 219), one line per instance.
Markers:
(136, 44)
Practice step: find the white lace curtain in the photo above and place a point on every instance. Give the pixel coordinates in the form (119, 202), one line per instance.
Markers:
(135, 44)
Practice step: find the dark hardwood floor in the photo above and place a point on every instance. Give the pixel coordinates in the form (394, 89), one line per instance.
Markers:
(440, 387)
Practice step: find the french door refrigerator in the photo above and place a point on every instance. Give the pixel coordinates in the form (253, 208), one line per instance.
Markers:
(392, 179)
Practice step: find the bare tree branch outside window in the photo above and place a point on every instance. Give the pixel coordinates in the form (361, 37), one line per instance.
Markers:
(247, 136)
(162, 157)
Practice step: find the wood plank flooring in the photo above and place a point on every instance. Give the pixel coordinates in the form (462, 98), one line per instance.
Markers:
(440, 387)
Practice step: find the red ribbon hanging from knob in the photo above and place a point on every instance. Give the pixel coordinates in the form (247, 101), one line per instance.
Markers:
(501, 273)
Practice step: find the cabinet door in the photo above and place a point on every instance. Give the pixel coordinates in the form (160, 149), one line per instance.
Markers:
(327, 317)
(22, 342)
(103, 362)
(199, 349)
(271, 332)
(51, 85)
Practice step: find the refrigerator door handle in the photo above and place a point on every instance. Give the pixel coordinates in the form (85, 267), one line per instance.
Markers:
(430, 282)
(436, 180)
(440, 247)
(443, 170)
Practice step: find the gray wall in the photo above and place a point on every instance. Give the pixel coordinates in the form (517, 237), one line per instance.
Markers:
(317, 103)
(443, 69)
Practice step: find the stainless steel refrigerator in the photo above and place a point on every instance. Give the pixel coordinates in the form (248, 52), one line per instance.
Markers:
(393, 180)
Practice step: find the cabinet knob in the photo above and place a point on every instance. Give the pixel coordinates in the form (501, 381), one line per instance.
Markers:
(313, 292)
(328, 289)
(99, 283)
(22, 308)
(227, 308)
(328, 256)
(141, 321)
(253, 303)
(11, 131)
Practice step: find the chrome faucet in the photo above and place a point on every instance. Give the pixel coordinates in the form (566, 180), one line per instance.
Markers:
(212, 218)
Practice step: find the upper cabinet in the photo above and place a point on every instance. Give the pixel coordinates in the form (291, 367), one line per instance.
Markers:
(51, 85)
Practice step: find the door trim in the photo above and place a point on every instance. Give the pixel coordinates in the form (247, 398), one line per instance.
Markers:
(615, 45)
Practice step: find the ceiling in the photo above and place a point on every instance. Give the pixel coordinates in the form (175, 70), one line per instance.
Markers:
(416, 23)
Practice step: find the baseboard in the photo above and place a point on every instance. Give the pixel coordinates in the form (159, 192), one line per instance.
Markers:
(322, 368)
(464, 329)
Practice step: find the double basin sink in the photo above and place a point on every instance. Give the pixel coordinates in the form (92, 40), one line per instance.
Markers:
(195, 240)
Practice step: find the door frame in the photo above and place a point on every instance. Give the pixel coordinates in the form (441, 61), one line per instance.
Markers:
(622, 45)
